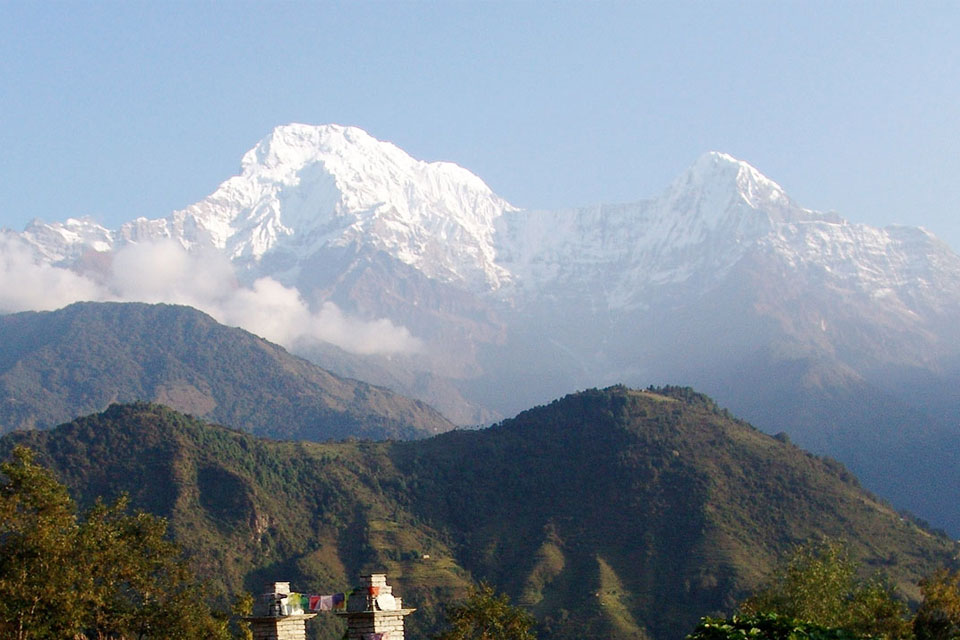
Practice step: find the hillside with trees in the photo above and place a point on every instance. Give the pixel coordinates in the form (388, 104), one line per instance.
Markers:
(105, 574)
(608, 513)
(57, 365)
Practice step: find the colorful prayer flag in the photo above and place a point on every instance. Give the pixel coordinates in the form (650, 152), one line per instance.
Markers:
(295, 602)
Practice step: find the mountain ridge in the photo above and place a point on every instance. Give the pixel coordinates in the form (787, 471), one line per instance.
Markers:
(445, 222)
(367, 173)
(497, 308)
(58, 364)
(657, 499)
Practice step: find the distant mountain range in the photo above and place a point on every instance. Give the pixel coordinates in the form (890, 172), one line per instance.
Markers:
(57, 365)
(844, 335)
(614, 513)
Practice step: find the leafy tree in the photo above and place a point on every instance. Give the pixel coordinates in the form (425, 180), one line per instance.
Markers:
(766, 626)
(37, 527)
(140, 584)
(107, 575)
(243, 606)
(938, 617)
(819, 584)
(488, 616)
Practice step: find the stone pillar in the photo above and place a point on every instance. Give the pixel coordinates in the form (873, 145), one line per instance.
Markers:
(275, 618)
(373, 612)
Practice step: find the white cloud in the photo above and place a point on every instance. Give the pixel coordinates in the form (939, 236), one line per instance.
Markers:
(280, 314)
(27, 284)
(267, 309)
(376, 336)
(165, 272)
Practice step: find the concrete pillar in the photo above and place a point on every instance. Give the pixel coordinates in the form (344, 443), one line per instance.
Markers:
(373, 612)
(274, 618)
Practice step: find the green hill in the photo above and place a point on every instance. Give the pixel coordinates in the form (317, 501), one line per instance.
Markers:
(658, 505)
(613, 513)
(60, 364)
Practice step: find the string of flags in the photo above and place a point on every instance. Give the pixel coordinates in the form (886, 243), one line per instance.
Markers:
(331, 602)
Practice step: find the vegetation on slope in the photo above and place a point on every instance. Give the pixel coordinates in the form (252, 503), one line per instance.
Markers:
(249, 511)
(654, 503)
(106, 575)
(60, 364)
(819, 593)
(608, 513)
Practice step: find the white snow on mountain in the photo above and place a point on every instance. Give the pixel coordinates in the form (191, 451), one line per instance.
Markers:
(65, 242)
(303, 188)
(715, 213)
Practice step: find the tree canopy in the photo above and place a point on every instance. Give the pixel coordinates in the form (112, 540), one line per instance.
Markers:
(107, 574)
(766, 626)
(938, 617)
(820, 584)
(818, 595)
(486, 615)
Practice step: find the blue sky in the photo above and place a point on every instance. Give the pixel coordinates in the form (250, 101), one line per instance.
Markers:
(117, 110)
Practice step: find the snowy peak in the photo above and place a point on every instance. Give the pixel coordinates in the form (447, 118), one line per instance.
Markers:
(289, 148)
(722, 200)
(753, 187)
(304, 187)
(717, 182)
(59, 242)
(348, 153)
(715, 214)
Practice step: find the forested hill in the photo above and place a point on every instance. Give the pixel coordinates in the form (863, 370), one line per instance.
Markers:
(658, 505)
(613, 513)
(60, 364)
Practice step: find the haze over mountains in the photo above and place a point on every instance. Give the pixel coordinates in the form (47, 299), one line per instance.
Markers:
(417, 276)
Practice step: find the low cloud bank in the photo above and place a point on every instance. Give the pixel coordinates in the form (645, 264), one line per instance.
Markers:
(165, 272)
(27, 284)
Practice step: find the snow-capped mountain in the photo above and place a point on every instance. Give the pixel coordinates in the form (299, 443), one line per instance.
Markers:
(798, 319)
(313, 207)
(62, 243)
(306, 188)
(713, 216)
(303, 188)
(698, 228)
